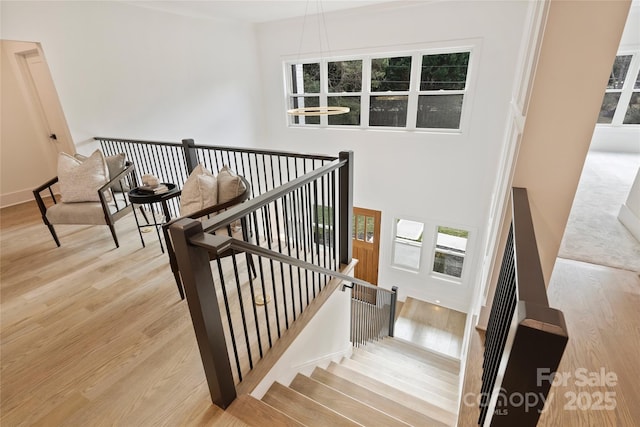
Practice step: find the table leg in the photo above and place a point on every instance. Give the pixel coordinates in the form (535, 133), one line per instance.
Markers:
(138, 226)
(155, 224)
(165, 209)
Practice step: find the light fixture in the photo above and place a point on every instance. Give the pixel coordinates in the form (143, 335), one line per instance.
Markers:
(317, 111)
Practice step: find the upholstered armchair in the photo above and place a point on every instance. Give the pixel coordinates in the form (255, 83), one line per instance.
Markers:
(108, 205)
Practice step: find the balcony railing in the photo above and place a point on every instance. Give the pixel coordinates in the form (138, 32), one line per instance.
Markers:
(245, 295)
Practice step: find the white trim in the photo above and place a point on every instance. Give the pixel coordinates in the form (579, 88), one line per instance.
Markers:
(16, 197)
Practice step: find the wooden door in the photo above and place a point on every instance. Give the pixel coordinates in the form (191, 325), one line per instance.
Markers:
(366, 243)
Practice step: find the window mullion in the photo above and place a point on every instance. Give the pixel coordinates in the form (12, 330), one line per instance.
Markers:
(324, 88)
(414, 88)
(366, 92)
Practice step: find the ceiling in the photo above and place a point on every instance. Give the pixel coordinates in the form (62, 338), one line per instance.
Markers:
(252, 11)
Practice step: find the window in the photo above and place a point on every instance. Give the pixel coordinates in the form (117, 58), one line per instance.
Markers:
(621, 102)
(632, 116)
(442, 84)
(390, 81)
(345, 90)
(363, 228)
(450, 250)
(305, 82)
(323, 225)
(412, 91)
(407, 244)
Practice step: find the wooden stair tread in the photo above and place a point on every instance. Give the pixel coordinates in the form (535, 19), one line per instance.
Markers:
(406, 373)
(301, 408)
(409, 400)
(418, 389)
(371, 398)
(257, 413)
(343, 404)
(426, 366)
(445, 362)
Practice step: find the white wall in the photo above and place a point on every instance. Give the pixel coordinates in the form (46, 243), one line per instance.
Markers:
(561, 114)
(127, 71)
(325, 339)
(443, 179)
(629, 214)
(622, 138)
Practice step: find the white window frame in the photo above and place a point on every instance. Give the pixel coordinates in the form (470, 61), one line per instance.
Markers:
(465, 255)
(365, 94)
(627, 90)
(399, 240)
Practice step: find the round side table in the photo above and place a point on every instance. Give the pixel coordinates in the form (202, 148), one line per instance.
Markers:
(143, 198)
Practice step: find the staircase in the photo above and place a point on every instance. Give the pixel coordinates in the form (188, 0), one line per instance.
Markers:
(387, 383)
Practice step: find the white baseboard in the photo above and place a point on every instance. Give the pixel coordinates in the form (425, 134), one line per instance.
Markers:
(16, 197)
(305, 368)
(323, 362)
(630, 221)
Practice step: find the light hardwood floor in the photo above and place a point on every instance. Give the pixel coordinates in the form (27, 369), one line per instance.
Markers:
(431, 326)
(94, 335)
(600, 305)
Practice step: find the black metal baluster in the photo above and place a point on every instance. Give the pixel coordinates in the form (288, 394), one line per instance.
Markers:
(229, 319)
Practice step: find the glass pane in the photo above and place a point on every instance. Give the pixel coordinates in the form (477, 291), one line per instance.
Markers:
(451, 246)
(444, 72)
(388, 111)
(608, 109)
(439, 111)
(619, 71)
(448, 264)
(408, 243)
(302, 102)
(409, 230)
(637, 84)
(453, 232)
(345, 76)
(305, 78)
(351, 118)
(353, 226)
(632, 117)
(360, 227)
(370, 229)
(390, 74)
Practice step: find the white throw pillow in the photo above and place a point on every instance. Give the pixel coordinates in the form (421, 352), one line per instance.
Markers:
(80, 180)
(229, 185)
(115, 163)
(199, 191)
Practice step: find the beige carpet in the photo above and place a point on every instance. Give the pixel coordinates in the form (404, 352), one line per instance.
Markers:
(594, 234)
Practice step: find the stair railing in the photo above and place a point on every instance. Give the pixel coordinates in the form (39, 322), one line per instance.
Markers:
(525, 338)
(373, 312)
(193, 246)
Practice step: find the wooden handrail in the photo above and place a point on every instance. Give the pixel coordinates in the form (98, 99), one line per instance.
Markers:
(530, 280)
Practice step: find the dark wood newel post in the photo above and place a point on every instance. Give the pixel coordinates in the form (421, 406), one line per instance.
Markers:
(345, 216)
(392, 313)
(189, 147)
(193, 263)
